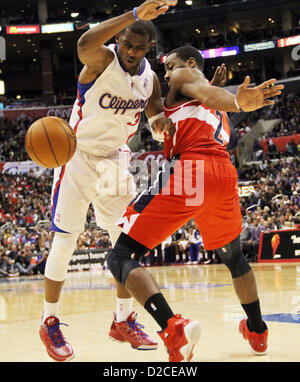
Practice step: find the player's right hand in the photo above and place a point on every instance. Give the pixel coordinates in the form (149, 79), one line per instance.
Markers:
(250, 99)
(151, 9)
(164, 126)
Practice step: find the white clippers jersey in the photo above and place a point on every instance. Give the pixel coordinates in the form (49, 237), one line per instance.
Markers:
(107, 111)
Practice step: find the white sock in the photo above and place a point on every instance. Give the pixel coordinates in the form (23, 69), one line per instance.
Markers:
(50, 309)
(123, 308)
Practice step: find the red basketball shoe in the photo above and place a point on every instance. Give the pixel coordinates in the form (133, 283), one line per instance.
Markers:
(258, 342)
(56, 345)
(180, 337)
(131, 331)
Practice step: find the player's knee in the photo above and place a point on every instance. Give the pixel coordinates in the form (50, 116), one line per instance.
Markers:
(232, 256)
(63, 246)
(120, 260)
(120, 263)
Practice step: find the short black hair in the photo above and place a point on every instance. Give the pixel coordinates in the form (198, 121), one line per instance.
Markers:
(185, 52)
(142, 27)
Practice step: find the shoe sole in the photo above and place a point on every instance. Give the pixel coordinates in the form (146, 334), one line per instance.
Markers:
(192, 332)
(65, 360)
(146, 347)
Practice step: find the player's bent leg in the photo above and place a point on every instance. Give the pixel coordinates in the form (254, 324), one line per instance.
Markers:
(179, 335)
(253, 329)
(55, 273)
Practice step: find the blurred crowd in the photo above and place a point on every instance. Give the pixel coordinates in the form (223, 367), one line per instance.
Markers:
(12, 136)
(25, 239)
(275, 204)
(287, 110)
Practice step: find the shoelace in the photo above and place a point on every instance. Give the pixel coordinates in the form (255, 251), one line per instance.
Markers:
(137, 327)
(56, 335)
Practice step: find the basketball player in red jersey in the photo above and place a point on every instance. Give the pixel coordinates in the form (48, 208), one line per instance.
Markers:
(195, 145)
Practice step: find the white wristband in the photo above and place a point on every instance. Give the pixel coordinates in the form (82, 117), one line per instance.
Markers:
(157, 136)
(237, 104)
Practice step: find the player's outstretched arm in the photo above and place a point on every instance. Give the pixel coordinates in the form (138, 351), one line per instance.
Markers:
(191, 83)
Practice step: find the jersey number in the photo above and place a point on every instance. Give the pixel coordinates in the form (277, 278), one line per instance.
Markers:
(137, 119)
(219, 128)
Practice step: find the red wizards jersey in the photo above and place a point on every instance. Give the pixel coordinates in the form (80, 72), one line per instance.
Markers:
(198, 130)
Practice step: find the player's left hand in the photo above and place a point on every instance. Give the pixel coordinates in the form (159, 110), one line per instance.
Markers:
(164, 126)
(220, 76)
(151, 9)
(250, 99)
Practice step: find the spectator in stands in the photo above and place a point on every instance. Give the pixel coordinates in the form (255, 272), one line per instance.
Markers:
(272, 149)
(41, 262)
(155, 255)
(169, 251)
(23, 263)
(179, 244)
(104, 242)
(8, 262)
(246, 241)
(257, 150)
(291, 148)
(194, 241)
(80, 245)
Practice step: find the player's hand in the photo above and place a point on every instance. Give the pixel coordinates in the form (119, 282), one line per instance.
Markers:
(151, 9)
(219, 78)
(250, 99)
(164, 126)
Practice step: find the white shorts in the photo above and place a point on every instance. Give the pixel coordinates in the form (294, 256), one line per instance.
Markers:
(104, 182)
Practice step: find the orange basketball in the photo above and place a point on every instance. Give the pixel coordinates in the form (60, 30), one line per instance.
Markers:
(50, 142)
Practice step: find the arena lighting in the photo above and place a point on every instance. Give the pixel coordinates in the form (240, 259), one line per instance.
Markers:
(22, 29)
(58, 28)
(189, 2)
(74, 14)
(2, 87)
(288, 41)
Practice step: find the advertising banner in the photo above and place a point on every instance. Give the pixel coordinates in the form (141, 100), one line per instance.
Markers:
(280, 142)
(37, 112)
(221, 52)
(85, 260)
(58, 28)
(23, 29)
(260, 46)
(288, 41)
(279, 246)
(25, 167)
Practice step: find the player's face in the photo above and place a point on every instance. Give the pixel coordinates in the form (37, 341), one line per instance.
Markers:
(132, 48)
(172, 62)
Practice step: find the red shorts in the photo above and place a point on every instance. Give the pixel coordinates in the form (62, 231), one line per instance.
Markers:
(199, 187)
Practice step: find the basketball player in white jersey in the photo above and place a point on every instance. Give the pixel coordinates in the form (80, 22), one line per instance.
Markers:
(115, 85)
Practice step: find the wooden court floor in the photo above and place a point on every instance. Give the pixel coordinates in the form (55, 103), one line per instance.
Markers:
(202, 292)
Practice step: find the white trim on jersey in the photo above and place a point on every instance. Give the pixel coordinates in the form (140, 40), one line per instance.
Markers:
(200, 113)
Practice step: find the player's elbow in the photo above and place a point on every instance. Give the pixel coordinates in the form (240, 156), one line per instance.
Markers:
(82, 42)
